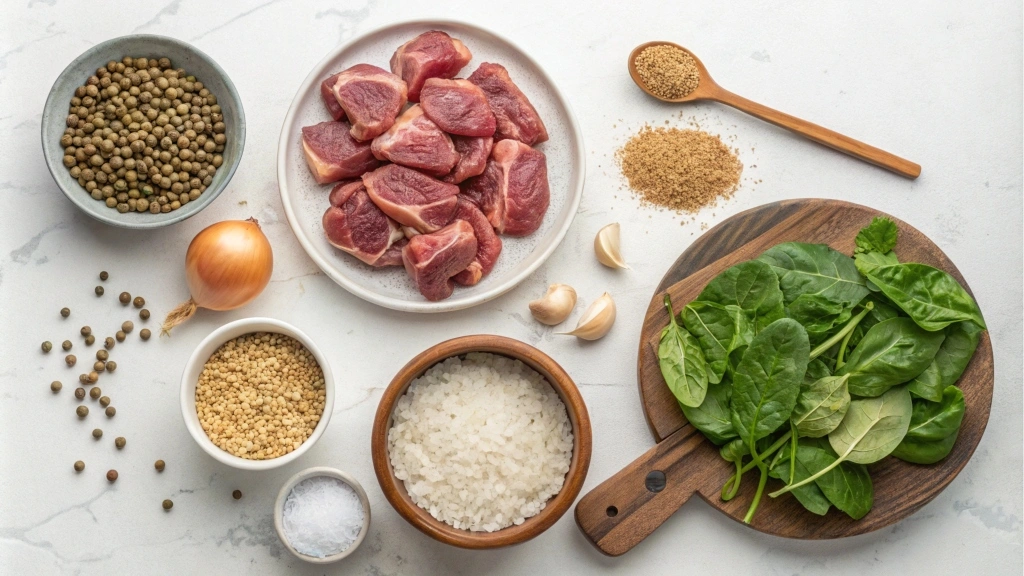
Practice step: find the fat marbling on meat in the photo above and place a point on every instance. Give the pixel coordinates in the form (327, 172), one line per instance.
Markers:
(432, 259)
(371, 97)
(332, 154)
(513, 190)
(416, 142)
(432, 54)
(458, 107)
(353, 223)
(412, 198)
(515, 115)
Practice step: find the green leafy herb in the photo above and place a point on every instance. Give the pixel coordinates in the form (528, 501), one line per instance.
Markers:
(815, 269)
(868, 261)
(933, 298)
(879, 236)
(719, 330)
(812, 498)
(821, 405)
(891, 353)
(713, 417)
(934, 427)
(682, 363)
(950, 361)
(752, 286)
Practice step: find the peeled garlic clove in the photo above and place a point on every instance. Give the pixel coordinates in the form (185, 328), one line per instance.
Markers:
(555, 306)
(597, 320)
(606, 246)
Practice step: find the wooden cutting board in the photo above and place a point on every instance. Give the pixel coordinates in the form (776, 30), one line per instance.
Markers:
(629, 506)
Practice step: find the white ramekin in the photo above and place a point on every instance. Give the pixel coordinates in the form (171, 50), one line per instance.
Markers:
(310, 473)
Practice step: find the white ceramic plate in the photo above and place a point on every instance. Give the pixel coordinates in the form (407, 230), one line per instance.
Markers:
(305, 201)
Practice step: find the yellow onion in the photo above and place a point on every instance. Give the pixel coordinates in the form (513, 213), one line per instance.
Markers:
(227, 265)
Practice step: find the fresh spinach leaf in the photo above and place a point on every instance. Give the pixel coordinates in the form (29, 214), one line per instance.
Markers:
(734, 451)
(950, 361)
(682, 362)
(809, 495)
(880, 312)
(767, 380)
(816, 370)
(847, 486)
(891, 353)
(713, 417)
(821, 405)
(934, 427)
(815, 269)
(868, 261)
(817, 313)
(930, 296)
(752, 286)
(719, 330)
(873, 427)
(879, 236)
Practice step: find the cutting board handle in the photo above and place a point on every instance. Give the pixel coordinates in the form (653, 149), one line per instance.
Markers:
(629, 506)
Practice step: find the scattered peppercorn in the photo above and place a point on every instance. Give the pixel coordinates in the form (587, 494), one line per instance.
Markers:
(110, 411)
(144, 314)
(79, 466)
(119, 442)
(105, 401)
(102, 355)
(65, 312)
(167, 504)
(55, 386)
(70, 359)
(90, 340)
(111, 476)
(145, 333)
(108, 343)
(82, 411)
(80, 393)
(99, 290)
(139, 302)
(104, 275)
(125, 298)
(94, 377)
(66, 345)
(127, 327)
(86, 330)
(237, 494)
(47, 346)
(95, 393)
(97, 433)
(120, 335)
(84, 379)
(99, 366)
(111, 366)
(159, 465)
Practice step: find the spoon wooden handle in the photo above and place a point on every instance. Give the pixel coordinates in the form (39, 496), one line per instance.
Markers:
(821, 135)
(629, 506)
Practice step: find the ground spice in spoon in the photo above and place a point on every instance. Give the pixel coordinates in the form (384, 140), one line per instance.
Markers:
(683, 170)
(667, 71)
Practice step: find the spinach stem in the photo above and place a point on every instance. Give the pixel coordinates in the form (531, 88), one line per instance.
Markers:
(757, 495)
(842, 350)
(792, 452)
(732, 485)
(728, 487)
(671, 314)
(771, 450)
(809, 479)
(824, 346)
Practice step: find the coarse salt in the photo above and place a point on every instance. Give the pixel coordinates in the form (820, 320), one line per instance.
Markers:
(322, 516)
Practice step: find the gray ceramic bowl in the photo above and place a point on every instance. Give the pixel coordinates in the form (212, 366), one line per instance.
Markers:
(182, 55)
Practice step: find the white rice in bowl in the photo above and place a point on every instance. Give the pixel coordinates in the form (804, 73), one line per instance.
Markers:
(481, 442)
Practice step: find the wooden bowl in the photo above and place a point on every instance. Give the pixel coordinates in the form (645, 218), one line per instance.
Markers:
(394, 489)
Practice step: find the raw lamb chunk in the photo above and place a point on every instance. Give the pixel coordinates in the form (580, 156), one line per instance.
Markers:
(513, 190)
(354, 224)
(372, 97)
(333, 154)
(432, 54)
(432, 259)
(488, 245)
(516, 117)
(330, 102)
(473, 154)
(412, 198)
(416, 142)
(393, 255)
(457, 107)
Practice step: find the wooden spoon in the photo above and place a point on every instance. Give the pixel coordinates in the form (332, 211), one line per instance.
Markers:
(707, 89)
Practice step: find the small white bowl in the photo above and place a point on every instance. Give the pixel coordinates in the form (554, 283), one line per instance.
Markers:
(194, 367)
(310, 473)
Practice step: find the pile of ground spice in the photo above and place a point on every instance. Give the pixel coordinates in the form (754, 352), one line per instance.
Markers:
(667, 71)
(683, 170)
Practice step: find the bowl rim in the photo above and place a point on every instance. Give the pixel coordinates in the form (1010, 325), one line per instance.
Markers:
(560, 381)
(317, 74)
(286, 489)
(54, 164)
(202, 353)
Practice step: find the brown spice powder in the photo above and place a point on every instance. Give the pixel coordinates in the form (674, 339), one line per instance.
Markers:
(683, 170)
(667, 71)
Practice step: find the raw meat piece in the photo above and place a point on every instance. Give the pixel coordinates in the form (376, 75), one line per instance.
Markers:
(473, 154)
(330, 102)
(372, 97)
(393, 255)
(333, 154)
(516, 117)
(432, 54)
(457, 107)
(412, 198)
(513, 190)
(432, 259)
(354, 224)
(416, 142)
(488, 245)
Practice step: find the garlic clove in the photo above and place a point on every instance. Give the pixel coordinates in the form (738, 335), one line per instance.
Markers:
(597, 320)
(607, 247)
(555, 306)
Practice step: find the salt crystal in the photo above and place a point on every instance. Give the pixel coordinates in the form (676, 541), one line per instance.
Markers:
(322, 516)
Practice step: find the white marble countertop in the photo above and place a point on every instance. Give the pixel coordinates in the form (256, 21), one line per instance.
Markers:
(937, 82)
